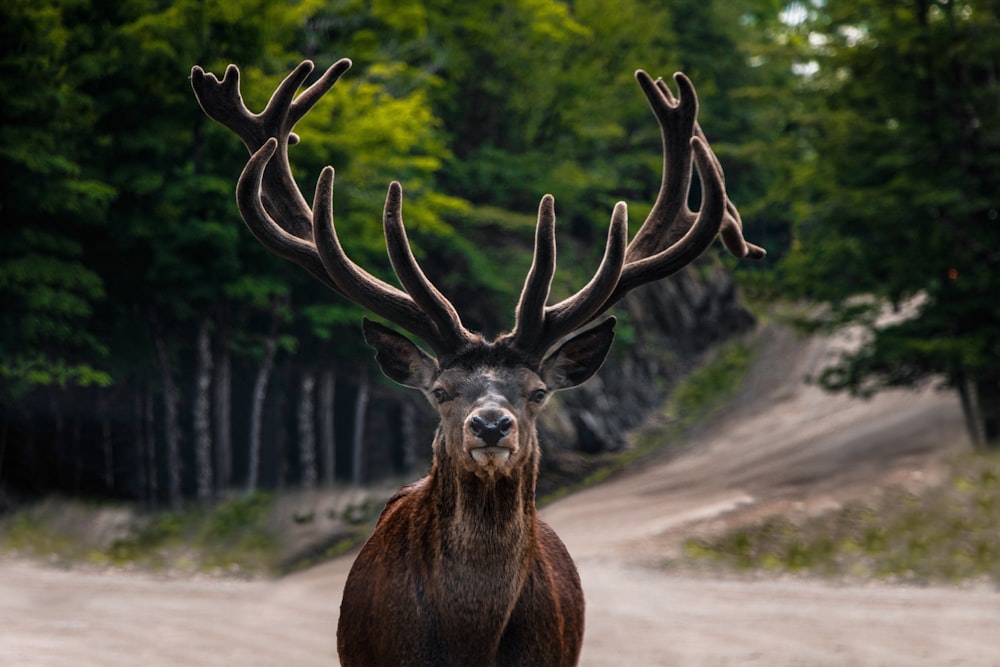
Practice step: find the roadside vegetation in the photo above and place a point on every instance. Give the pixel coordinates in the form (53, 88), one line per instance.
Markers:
(250, 536)
(949, 533)
(232, 538)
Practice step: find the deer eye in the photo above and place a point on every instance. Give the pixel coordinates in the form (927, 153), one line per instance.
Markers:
(538, 395)
(440, 395)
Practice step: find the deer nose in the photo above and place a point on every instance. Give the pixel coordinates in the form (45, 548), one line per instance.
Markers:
(491, 432)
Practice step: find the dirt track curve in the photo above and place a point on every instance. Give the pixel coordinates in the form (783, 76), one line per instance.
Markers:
(784, 447)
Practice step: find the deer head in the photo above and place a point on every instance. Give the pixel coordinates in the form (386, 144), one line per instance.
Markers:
(465, 546)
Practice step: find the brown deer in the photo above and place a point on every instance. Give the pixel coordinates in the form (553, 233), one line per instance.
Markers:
(460, 570)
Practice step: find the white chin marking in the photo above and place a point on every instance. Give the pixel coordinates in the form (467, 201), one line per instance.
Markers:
(488, 455)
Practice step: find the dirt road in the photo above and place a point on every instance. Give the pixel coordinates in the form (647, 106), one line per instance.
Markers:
(786, 447)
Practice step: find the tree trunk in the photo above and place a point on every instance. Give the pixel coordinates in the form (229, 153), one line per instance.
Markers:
(307, 431)
(327, 439)
(988, 390)
(106, 441)
(149, 424)
(279, 443)
(202, 416)
(3, 439)
(223, 398)
(971, 410)
(139, 442)
(171, 424)
(257, 409)
(357, 445)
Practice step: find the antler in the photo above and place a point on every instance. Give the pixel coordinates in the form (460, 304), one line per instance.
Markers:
(670, 238)
(277, 214)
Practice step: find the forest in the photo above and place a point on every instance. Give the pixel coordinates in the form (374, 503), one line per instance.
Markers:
(151, 350)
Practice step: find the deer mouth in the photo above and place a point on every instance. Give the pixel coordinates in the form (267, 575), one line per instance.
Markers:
(491, 454)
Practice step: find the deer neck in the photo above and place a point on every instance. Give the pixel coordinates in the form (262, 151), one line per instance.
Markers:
(485, 518)
(483, 543)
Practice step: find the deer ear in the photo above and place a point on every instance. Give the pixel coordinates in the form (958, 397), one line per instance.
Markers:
(398, 358)
(579, 357)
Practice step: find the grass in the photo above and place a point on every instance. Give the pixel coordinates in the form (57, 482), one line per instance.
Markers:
(231, 537)
(947, 534)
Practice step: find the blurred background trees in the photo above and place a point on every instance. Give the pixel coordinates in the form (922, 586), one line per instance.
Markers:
(149, 349)
(894, 180)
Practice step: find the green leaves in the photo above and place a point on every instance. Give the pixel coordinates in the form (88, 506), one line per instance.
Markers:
(21, 374)
(896, 187)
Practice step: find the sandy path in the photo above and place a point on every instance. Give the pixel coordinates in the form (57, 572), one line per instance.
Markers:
(786, 448)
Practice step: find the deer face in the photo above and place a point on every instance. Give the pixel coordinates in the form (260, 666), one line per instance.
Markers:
(488, 415)
(489, 396)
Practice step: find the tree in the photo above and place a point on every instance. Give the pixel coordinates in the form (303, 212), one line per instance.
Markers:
(897, 193)
(48, 287)
(123, 261)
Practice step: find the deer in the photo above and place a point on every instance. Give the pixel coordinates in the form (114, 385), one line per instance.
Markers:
(460, 569)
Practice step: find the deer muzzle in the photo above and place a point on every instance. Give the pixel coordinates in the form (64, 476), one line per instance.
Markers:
(490, 429)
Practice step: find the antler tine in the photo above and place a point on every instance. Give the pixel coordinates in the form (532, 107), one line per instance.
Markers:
(323, 256)
(671, 237)
(676, 116)
(264, 228)
(732, 222)
(572, 313)
(305, 101)
(697, 237)
(222, 101)
(529, 321)
(279, 217)
(358, 285)
(452, 335)
(537, 326)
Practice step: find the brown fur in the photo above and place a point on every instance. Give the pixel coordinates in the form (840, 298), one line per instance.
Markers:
(456, 586)
(460, 570)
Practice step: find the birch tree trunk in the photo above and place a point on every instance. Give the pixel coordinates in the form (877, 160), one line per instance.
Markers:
(3, 441)
(202, 416)
(257, 407)
(307, 431)
(106, 441)
(149, 424)
(222, 387)
(360, 409)
(78, 448)
(327, 439)
(171, 426)
(139, 442)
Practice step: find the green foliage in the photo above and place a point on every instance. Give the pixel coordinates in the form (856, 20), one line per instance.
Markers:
(943, 534)
(117, 196)
(892, 166)
(47, 284)
(711, 385)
